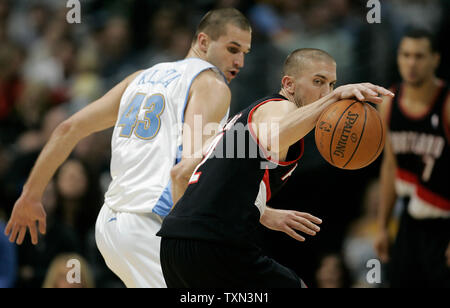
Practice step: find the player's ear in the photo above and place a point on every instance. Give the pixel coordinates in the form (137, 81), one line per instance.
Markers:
(203, 41)
(436, 59)
(288, 84)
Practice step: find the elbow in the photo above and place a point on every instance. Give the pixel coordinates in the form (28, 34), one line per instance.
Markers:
(70, 129)
(65, 128)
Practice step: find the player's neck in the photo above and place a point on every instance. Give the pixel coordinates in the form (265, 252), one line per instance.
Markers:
(194, 52)
(287, 95)
(421, 91)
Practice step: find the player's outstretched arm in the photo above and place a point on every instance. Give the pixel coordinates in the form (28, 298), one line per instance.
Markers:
(293, 123)
(288, 221)
(28, 209)
(208, 102)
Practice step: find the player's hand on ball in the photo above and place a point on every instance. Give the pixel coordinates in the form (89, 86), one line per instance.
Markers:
(26, 214)
(363, 92)
(289, 221)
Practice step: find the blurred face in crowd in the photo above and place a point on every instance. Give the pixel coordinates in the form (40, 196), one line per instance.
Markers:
(330, 274)
(228, 51)
(72, 180)
(316, 79)
(416, 60)
(61, 279)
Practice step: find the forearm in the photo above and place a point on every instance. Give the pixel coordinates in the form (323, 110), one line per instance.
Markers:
(179, 186)
(180, 176)
(54, 153)
(387, 195)
(299, 123)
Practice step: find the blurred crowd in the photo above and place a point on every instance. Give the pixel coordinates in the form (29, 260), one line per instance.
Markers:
(50, 69)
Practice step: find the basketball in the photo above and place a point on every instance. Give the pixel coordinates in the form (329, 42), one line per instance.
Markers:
(350, 134)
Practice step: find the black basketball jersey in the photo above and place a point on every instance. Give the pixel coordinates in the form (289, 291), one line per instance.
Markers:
(421, 146)
(219, 203)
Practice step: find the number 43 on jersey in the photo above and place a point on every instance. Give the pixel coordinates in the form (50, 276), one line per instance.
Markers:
(147, 128)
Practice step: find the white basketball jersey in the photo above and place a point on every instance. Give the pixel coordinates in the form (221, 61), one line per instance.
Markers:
(147, 137)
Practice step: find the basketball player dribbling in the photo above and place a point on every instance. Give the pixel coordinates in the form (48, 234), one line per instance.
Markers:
(147, 110)
(416, 169)
(208, 237)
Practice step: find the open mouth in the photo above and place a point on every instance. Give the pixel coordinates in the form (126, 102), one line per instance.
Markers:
(233, 73)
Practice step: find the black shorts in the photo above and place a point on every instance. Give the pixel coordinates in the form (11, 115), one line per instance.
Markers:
(201, 264)
(418, 256)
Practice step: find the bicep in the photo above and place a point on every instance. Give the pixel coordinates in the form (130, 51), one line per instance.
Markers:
(208, 102)
(267, 122)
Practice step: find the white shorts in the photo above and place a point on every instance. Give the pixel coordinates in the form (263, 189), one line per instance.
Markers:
(130, 247)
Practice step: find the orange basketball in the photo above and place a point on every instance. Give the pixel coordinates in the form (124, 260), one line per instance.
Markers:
(350, 134)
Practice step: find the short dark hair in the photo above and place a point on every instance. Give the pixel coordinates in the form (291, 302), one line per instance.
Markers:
(419, 33)
(215, 21)
(296, 59)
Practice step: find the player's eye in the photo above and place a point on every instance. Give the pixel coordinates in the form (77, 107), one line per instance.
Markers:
(233, 50)
(318, 82)
(419, 56)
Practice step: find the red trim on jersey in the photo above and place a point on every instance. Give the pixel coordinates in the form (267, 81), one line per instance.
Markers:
(266, 181)
(407, 176)
(433, 198)
(422, 192)
(252, 133)
(198, 178)
(415, 117)
(445, 123)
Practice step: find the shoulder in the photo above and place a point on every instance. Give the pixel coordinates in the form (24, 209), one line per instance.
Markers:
(273, 110)
(211, 81)
(128, 80)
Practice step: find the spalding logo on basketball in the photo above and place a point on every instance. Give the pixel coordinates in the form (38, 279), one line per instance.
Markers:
(350, 134)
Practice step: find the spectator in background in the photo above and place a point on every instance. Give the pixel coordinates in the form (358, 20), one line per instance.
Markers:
(12, 86)
(60, 238)
(47, 61)
(28, 22)
(62, 268)
(333, 272)
(78, 196)
(8, 264)
(162, 32)
(4, 14)
(86, 85)
(360, 238)
(23, 152)
(113, 43)
(415, 168)
(278, 21)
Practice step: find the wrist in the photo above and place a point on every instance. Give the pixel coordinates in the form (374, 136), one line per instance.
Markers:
(383, 225)
(30, 193)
